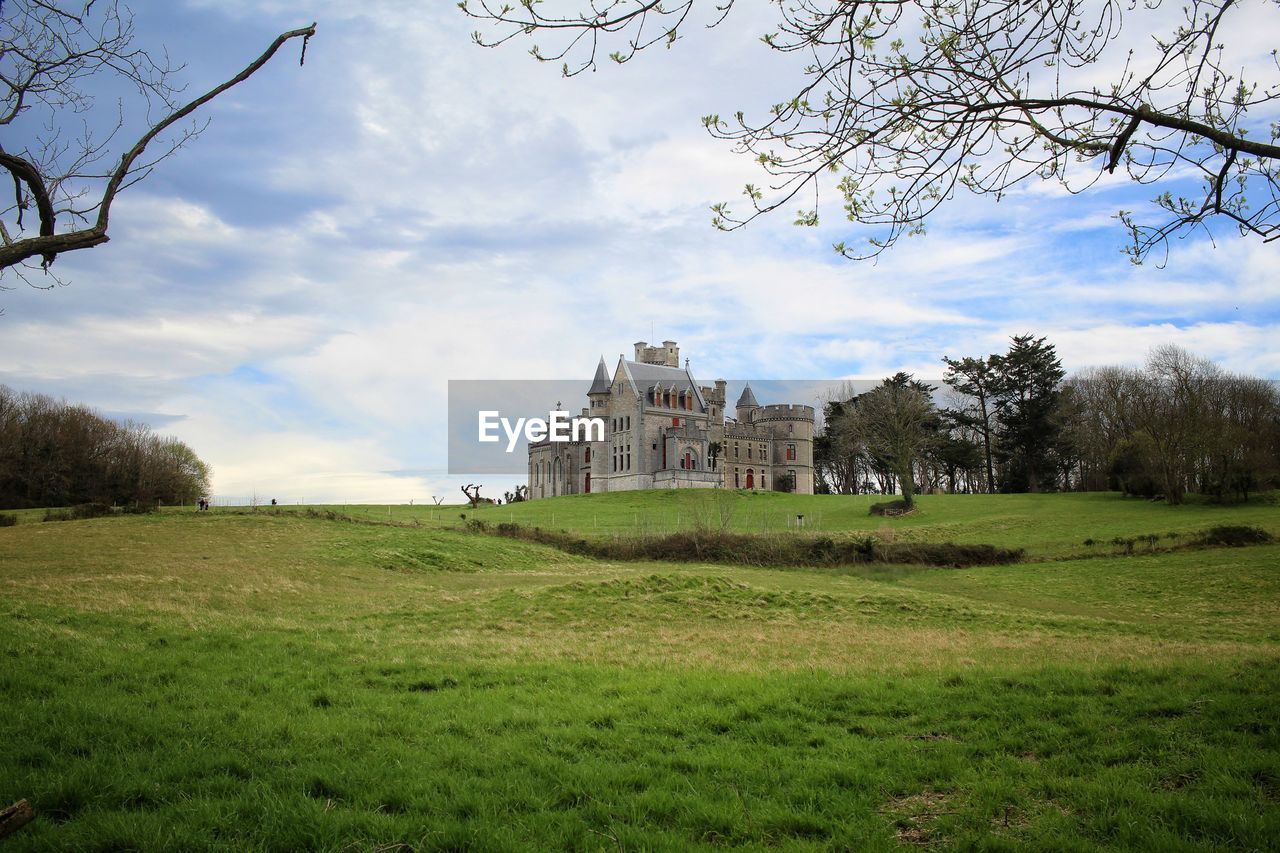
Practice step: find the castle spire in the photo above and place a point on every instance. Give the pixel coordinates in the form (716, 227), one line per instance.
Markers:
(601, 384)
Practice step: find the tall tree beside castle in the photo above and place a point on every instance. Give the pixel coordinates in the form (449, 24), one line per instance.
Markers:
(978, 380)
(898, 422)
(1028, 391)
(1179, 425)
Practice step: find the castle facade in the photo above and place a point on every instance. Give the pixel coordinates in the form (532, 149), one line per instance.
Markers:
(665, 431)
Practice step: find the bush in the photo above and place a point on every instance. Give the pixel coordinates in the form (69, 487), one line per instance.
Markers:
(717, 546)
(948, 554)
(79, 512)
(8, 519)
(897, 507)
(1233, 535)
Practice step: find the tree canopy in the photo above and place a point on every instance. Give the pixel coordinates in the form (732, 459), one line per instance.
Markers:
(901, 104)
(53, 453)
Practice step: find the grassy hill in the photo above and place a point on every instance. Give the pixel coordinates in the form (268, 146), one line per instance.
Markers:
(232, 681)
(1044, 524)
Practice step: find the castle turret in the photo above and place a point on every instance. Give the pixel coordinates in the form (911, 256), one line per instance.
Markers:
(667, 355)
(746, 406)
(598, 395)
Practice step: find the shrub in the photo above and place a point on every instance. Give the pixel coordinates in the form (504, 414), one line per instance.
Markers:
(78, 512)
(8, 519)
(948, 554)
(718, 546)
(1234, 535)
(897, 507)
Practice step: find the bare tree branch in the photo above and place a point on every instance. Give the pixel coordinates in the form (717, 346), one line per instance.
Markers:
(46, 53)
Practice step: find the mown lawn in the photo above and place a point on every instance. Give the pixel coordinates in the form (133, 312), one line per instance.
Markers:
(221, 681)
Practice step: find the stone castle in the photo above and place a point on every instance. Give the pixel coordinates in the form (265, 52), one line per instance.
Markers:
(664, 431)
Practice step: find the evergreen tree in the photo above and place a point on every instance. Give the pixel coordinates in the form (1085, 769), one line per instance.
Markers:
(978, 379)
(1028, 391)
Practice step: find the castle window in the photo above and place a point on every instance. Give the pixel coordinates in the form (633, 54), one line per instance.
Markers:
(748, 451)
(791, 453)
(736, 482)
(675, 422)
(735, 450)
(586, 457)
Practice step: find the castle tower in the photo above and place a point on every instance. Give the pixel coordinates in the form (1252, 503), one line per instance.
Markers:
(747, 406)
(600, 386)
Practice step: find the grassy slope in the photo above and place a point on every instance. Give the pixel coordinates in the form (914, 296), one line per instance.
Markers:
(1045, 524)
(234, 681)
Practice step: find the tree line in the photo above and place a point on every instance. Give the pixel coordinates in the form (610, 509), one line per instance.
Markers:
(53, 453)
(1014, 422)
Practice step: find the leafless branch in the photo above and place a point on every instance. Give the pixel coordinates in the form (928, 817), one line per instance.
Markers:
(49, 50)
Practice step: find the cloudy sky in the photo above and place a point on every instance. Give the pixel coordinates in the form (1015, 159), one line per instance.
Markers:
(291, 293)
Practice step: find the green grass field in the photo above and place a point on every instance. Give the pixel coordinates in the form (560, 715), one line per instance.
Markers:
(257, 681)
(1047, 525)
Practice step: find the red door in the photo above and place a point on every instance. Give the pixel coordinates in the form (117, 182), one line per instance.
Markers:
(751, 479)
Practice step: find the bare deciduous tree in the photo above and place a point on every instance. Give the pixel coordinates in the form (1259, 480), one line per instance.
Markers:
(905, 102)
(68, 164)
(896, 419)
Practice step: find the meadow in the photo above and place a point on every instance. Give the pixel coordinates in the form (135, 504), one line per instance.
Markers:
(1046, 525)
(249, 680)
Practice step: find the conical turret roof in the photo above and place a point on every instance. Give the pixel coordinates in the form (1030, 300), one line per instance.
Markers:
(601, 384)
(747, 399)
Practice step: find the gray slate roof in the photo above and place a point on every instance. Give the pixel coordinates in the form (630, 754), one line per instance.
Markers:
(601, 384)
(747, 399)
(645, 376)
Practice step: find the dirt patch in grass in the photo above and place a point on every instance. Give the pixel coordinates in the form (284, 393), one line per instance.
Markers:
(915, 817)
